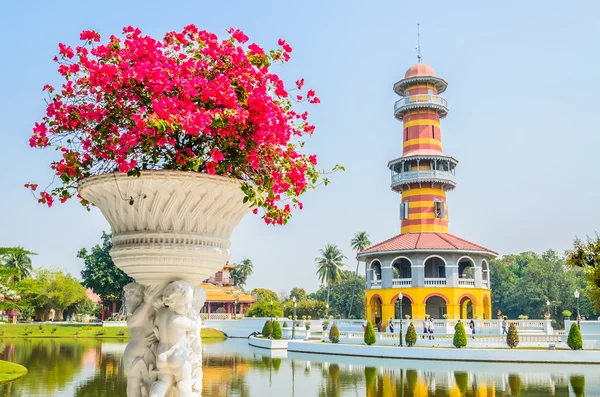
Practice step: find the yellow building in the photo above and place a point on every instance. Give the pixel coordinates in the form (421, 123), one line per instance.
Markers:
(437, 273)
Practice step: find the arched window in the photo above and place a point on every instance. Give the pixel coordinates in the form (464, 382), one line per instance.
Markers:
(435, 268)
(438, 208)
(465, 268)
(375, 270)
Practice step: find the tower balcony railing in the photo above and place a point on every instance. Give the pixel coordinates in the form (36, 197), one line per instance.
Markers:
(420, 101)
(375, 284)
(424, 176)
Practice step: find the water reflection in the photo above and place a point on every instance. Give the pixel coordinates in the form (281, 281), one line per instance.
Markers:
(91, 368)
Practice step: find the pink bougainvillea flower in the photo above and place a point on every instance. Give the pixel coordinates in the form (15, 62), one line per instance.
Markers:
(188, 102)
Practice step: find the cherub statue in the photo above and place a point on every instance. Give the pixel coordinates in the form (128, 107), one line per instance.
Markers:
(173, 327)
(194, 340)
(138, 357)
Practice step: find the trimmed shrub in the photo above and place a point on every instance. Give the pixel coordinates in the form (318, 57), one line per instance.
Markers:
(460, 336)
(276, 334)
(370, 336)
(512, 339)
(267, 329)
(307, 325)
(567, 313)
(411, 335)
(334, 334)
(574, 340)
(325, 325)
(285, 324)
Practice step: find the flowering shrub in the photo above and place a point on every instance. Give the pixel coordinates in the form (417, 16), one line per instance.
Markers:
(188, 102)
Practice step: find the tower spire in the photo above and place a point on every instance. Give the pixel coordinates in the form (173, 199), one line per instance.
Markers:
(418, 44)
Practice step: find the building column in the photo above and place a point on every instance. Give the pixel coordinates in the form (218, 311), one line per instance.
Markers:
(208, 304)
(418, 311)
(453, 311)
(387, 312)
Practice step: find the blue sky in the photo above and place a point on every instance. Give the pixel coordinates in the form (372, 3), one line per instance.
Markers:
(524, 84)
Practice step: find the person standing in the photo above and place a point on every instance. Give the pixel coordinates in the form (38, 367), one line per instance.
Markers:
(431, 328)
(472, 325)
(504, 331)
(391, 325)
(425, 328)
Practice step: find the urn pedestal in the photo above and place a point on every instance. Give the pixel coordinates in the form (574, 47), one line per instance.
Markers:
(170, 231)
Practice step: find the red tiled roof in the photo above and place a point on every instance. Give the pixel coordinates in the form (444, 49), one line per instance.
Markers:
(425, 241)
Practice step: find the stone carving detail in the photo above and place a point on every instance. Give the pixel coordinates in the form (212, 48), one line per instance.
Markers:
(164, 355)
(177, 226)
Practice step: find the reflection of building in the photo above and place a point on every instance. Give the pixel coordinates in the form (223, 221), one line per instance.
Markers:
(228, 300)
(438, 273)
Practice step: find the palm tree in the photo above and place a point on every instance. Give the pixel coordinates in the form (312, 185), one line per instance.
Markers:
(359, 242)
(242, 270)
(17, 258)
(328, 267)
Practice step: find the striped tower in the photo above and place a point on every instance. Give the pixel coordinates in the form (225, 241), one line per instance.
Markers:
(423, 174)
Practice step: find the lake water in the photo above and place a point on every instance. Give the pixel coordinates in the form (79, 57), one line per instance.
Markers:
(92, 368)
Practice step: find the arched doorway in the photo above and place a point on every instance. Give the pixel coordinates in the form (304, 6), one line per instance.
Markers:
(466, 268)
(485, 274)
(435, 270)
(402, 269)
(375, 315)
(467, 308)
(487, 310)
(375, 269)
(435, 307)
(406, 307)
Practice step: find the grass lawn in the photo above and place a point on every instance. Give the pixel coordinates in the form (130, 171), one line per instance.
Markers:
(10, 371)
(78, 331)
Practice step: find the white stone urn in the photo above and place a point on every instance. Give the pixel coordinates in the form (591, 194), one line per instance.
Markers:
(170, 231)
(168, 225)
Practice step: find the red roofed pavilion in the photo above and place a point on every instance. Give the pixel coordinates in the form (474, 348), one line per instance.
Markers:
(425, 271)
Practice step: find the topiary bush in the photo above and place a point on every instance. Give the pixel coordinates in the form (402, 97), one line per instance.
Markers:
(460, 336)
(325, 325)
(285, 324)
(370, 336)
(267, 329)
(512, 339)
(411, 336)
(574, 340)
(276, 333)
(334, 334)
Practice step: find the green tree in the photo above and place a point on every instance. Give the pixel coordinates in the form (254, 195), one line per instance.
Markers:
(411, 336)
(242, 271)
(100, 273)
(51, 290)
(263, 309)
(267, 329)
(340, 296)
(17, 258)
(299, 294)
(313, 308)
(359, 242)
(574, 340)
(264, 295)
(512, 339)
(460, 336)
(370, 336)
(276, 330)
(328, 266)
(586, 256)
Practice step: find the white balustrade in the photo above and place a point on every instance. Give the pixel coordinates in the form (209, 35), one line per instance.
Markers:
(215, 316)
(410, 101)
(409, 176)
(435, 282)
(401, 282)
(375, 283)
(466, 282)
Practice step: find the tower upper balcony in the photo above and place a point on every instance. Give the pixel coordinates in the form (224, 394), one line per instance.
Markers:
(420, 101)
(421, 77)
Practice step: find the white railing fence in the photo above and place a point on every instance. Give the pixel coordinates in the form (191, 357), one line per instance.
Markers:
(435, 281)
(466, 282)
(401, 282)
